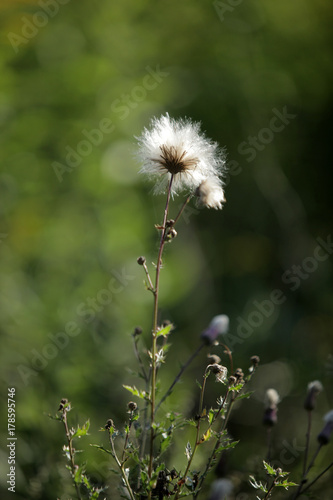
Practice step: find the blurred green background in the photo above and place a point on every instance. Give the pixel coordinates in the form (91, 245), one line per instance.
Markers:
(79, 80)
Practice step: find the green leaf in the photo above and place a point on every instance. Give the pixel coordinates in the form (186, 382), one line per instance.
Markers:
(164, 331)
(285, 484)
(136, 392)
(246, 395)
(269, 469)
(227, 446)
(78, 475)
(206, 436)
(82, 431)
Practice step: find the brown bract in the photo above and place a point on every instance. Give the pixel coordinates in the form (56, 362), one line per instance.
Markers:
(174, 160)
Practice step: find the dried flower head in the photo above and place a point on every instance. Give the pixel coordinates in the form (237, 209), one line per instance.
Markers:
(218, 326)
(325, 435)
(210, 193)
(314, 388)
(219, 371)
(177, 148)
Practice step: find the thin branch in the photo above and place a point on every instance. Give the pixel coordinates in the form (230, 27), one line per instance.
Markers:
(319, 476)
(154, 334)
(71, 451)
(308, 433)
(179, 374)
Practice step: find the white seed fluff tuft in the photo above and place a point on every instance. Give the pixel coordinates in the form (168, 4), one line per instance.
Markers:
(178, 147)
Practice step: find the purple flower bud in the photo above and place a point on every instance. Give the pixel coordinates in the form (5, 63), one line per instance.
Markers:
(325, 434)
(218, 326)
(270, 417)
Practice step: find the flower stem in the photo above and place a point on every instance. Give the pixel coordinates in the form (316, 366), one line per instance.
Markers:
(308, 433)
(121, 468)
(154, 333)
(179, 374)
(319, 476)
(71, 452)
(182, 209)
(196, 444)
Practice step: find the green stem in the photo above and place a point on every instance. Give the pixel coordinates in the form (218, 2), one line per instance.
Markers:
(179, 374)
(154, 334)
(217, 444)
(71, 451)
(319, 475)
(308, 433)
(196, 444)
(121, 468)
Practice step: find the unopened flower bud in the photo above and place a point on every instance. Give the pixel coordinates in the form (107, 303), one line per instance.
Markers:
(255, 361)
(141, 260)
(132, 406)
(314, 388)
(325, 434)
(171, 234)
(169, 223)
(109, 424)
(137, 331)
(218, 326)
(239, 374)
(232, 380)
(213, 358)
(63, 403)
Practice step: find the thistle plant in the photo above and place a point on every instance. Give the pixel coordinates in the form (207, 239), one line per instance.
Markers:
(180, 160)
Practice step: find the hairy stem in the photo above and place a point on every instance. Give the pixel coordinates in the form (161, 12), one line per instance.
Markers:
(154, 333)
(71, 451)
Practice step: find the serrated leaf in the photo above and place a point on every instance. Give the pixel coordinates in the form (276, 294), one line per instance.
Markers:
(227, 446)
(78, 475)
(285, 484)
(246, 395)
(269, 469)
(135, 392)
(82, 431)
(164, 331)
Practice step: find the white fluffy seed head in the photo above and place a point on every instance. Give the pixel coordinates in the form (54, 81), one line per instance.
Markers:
(272, 398)
(329, 417)
(315, 386)
(179, 148)
(210, 193)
